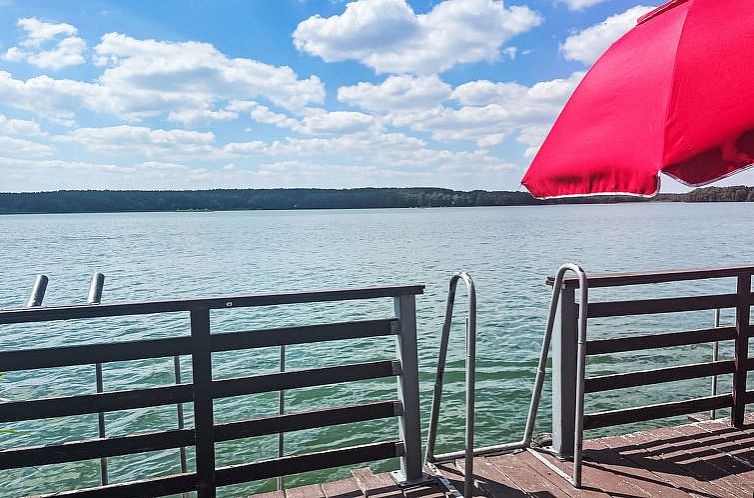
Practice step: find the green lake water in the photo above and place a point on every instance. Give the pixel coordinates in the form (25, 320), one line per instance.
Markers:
(508, 251)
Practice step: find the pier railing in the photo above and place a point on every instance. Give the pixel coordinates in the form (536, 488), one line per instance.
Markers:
(203, 390)
(739, 298)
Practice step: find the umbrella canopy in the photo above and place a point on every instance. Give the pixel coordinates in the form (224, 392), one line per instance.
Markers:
(673, 95)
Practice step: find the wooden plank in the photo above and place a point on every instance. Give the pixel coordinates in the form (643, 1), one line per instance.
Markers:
(741, 351)
(708, 447)
(633, 448)
(518, 471)
(270, 494)
(304, 378)
(158, 486)
(93, 403)
(296, 464)
(663, 445)
(51, 313)
(661, 305)
(87, 354)
(376, 486)
(308, 491)
(656, 341)
(657, 376)
(450, 472)
(652, 412)
(688, 453)
(204, 432)
(737, 443)
(601, 454)
(588, 489)
(654, 277)
(345, 488)
(488, 481)
(306, 420)
(33, 456)
(303, 335)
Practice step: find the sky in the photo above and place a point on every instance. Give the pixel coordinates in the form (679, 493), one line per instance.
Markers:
(188, 94)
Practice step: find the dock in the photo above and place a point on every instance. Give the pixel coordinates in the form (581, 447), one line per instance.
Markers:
(711, 459)
(702, 459)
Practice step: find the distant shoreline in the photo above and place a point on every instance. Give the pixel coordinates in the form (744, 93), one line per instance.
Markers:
(117, 201)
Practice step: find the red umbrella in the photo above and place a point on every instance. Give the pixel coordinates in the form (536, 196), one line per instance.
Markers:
(673, 95)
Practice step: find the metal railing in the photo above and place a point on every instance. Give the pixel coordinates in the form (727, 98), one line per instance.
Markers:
(203, 390)
(470, 377)
(566, 329)
(469, 451)
(568, 411)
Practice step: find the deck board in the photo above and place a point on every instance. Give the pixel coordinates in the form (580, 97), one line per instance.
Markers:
(706, 459)
(345, 488)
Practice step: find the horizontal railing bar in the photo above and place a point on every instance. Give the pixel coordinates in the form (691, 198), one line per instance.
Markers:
(749, 397)
(303, 335)
(664, 340)
(304, 378)
(25, 315)
(306, 420)
(655, 277)
(651, 412)
(305, 463)
(87, 354)
(658, 376)
(14, 411)
(96, 448)
(158, 486)
(662, 305)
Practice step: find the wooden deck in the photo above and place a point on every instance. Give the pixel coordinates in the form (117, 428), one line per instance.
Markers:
(703, 459)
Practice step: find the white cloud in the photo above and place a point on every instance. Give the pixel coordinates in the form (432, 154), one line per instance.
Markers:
(42, 47)
(137, 140)
(54, 99)
(580, 4)
(533, 136)
(335, 122)
(185, 82)
(54, 174)
(396, 92)
(388, 36)
(19, 127)
(315, 121)
(23, 148)
(489, 112)
(589, 44)
(191, 117)
(149, 77)
(38, 32)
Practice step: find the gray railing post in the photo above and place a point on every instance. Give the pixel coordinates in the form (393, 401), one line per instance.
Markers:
(408, 391)
(95, 297)
(201, 360)
(37, 291)
(564, 373)
(741, 350)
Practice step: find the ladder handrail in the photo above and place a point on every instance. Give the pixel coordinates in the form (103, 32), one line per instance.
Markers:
(470, 376)
(525, 443)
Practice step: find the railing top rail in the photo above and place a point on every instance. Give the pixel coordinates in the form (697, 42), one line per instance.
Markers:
(25, 315)
(655, 277)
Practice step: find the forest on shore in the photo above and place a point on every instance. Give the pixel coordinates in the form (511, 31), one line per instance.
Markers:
(98, 201)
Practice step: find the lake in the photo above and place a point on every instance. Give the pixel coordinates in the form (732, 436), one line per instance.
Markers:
(508, 251)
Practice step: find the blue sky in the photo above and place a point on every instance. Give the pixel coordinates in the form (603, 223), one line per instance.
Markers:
(259, 94)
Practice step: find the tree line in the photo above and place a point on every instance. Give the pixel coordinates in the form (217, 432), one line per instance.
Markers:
(93, 201)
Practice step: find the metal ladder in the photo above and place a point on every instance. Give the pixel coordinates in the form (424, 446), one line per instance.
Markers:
(469, 451)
